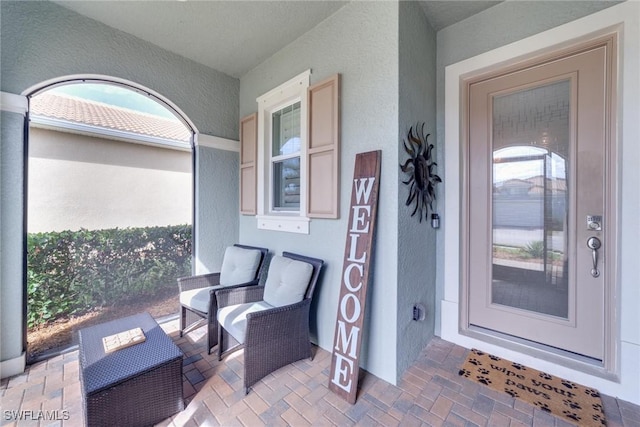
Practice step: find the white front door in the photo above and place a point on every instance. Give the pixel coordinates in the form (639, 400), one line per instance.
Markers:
(538, 163)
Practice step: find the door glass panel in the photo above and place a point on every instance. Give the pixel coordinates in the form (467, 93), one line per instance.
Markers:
(530, 200)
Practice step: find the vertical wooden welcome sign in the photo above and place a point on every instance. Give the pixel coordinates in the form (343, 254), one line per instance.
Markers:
(343, 377)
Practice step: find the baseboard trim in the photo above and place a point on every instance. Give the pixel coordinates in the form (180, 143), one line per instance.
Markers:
(15, 366)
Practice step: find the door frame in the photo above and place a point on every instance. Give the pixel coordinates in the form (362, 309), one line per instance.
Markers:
(529, 66)
(454, 320)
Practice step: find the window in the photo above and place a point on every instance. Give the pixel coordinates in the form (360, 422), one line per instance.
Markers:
(285, 159)
(295, 137)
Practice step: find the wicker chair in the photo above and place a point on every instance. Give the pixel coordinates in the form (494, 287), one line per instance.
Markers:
(270, 322)
(241, 266)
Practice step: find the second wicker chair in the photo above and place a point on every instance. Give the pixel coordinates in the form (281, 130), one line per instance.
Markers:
(241, 266)
(270, 322)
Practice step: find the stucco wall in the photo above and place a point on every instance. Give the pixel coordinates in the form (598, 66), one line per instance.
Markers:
(360, 42)
(42, 41)
(477, 34)
(216, 206)
(78, 181)
(623, 381)
(416, 241)
(11, 220)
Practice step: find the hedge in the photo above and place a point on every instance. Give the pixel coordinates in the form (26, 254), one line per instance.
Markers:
(71, 272)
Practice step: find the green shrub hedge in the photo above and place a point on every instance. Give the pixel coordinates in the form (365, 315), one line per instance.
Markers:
(70, 272)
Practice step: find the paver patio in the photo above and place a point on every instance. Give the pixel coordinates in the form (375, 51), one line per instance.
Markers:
(430, 394)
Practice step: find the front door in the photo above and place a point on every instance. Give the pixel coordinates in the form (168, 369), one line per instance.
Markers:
(539, 213)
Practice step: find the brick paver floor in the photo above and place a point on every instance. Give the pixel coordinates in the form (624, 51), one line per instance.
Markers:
(430, 394)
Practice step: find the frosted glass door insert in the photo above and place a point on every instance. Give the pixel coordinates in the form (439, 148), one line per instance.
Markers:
(530, 198)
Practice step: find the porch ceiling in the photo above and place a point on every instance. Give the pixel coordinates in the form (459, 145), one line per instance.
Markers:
(235, 36)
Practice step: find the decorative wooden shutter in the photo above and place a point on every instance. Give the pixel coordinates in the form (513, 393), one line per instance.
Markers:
(248, 165)
(323, 154)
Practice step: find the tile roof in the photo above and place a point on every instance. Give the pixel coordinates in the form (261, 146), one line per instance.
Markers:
(98, 114)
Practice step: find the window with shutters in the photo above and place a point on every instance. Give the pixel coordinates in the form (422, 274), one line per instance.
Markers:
(297, 142)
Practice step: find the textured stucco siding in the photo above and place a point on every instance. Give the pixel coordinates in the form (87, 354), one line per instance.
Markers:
(41, 42)
(11, 255)
(500, 25)
(360, 42)
(216, 206)
(416, 240)
(475, 39)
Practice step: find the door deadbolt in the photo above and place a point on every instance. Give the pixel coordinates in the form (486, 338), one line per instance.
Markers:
(594, 222)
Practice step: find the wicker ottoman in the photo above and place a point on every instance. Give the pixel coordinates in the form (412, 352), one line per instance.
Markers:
(136, 386)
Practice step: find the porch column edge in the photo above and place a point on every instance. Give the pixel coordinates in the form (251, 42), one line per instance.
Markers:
(15, 366)
(13, 103)
(209, 141)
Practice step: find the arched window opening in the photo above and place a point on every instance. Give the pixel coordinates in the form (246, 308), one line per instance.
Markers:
(110, 208)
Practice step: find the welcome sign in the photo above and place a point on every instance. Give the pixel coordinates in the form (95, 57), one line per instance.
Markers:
(343, 376)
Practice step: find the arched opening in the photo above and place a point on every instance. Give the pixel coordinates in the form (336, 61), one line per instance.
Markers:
(110, 206)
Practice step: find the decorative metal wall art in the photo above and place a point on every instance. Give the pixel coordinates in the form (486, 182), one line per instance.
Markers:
(421, 170)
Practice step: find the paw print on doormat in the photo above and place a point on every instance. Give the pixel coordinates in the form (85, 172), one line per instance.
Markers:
(591, 392)
(568, 384)
(599, 418)
(543, 406)
(571, 404)
(477, 352)
(483, 371)
(572, 415)
(597, 407)
(475, 361)
(494, 358)
(483, 380)
(464, 372)
(519, 366)
(545, 376)
(511, 392)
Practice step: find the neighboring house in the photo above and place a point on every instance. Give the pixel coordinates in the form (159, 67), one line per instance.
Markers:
(98, 166)
(555, 185)
(514, 187)
(522, 204)
(396, 70)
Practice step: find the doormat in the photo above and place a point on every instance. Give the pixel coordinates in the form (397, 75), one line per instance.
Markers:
(575, 403)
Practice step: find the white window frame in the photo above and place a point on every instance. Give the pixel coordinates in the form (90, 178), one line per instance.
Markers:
(290, 92)
(273, 159)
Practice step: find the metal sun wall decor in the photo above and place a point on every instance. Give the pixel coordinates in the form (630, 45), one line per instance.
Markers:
(421, 170)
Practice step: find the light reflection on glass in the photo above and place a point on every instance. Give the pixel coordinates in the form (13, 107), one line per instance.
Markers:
(530, 199)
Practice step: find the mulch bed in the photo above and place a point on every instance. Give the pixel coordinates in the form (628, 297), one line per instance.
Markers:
(61, 333)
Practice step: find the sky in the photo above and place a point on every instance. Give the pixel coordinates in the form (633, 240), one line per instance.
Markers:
(116, 95)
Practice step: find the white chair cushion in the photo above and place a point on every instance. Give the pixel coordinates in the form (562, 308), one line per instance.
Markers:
(239, 265)
(198, 299)
(287, 281)
(233, 318)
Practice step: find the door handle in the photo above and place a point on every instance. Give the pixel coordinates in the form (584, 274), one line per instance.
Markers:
(594, 244)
